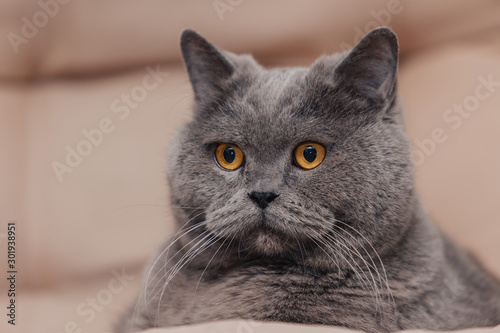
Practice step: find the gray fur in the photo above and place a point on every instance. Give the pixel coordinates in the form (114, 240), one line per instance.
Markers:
(347, 243)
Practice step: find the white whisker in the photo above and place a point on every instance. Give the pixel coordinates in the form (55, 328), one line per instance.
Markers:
(349, 253)
(376, 253)
(147, 279)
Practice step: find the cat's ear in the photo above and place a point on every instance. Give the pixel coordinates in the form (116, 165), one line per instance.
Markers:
(207, 67)
(369, 69)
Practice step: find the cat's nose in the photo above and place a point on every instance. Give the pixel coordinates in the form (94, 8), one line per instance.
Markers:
(263, 199)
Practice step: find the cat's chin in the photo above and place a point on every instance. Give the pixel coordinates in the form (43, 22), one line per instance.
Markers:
(269, 242)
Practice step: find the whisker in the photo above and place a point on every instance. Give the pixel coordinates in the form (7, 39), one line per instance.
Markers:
(339, 254)
(349, 253)
(189, 255)
(147, 279)
(205, 234)
(167, 249)
(376, 253)
(186, 259)
(206, 267)
(225, 252)
(301, 253)
(146, 302)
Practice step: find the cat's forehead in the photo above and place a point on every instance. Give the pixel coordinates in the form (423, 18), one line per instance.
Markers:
(267, 113)
(272, 97)
(276, 86)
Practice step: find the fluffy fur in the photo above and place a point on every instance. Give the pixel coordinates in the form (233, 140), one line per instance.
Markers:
(347, 243)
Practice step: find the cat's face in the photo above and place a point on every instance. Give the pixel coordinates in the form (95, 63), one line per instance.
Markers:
(274, 158)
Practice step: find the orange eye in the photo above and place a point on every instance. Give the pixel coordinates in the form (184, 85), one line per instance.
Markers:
(309, 155)
(228, 156)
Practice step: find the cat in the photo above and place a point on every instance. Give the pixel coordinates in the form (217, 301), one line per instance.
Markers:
(295, 201)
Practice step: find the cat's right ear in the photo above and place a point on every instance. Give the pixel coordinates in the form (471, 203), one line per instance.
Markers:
(207, 67)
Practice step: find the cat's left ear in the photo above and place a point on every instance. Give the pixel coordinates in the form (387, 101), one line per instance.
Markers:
(369, 69)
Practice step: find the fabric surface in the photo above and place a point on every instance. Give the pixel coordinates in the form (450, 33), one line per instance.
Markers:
(86, 233)
(259, 327)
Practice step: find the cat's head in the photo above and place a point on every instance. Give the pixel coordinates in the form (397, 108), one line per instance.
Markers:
(274, 158)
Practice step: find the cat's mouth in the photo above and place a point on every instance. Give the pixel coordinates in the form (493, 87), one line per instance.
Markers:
(265, 237)
(273, 231)
(265, 224)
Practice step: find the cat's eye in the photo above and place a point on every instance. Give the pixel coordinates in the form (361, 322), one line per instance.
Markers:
(309, 155)
(228, 156)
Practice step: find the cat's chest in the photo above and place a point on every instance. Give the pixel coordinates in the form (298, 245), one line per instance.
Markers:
(283, 295)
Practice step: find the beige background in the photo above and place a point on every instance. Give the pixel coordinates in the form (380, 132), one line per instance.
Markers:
(111, 210)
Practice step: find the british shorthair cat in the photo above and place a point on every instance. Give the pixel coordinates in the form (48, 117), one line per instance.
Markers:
(295, 201)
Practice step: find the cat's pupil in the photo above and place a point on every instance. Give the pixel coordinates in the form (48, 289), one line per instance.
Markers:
(229, 154)
(310, 154)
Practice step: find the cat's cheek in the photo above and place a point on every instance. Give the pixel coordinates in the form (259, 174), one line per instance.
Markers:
(226, 180)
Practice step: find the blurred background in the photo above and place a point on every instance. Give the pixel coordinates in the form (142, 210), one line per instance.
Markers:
(91, 93)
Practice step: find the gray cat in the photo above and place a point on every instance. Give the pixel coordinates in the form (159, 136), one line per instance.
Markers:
(295, 201)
